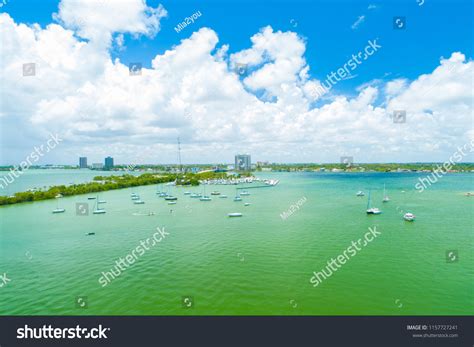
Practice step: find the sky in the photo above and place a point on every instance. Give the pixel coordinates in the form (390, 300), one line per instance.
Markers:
(240, 77)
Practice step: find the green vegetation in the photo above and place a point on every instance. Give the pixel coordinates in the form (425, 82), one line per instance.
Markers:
(389, 167)
(99, 184)
(104, 183)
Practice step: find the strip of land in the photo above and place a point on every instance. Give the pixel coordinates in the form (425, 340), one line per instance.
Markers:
(104, 183)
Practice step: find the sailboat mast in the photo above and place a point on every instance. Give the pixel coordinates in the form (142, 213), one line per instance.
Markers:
(179, 156)
(368, 201)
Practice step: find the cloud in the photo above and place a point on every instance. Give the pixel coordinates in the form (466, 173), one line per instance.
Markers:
(98, 20)
(192, 91)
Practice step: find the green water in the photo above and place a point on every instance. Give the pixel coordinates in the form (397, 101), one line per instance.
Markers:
(259, 264)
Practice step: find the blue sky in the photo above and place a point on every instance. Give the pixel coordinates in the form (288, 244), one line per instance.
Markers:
(414, 66)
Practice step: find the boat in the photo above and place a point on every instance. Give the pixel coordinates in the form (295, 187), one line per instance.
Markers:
(58, 209)
(91, 198)
(360, 193)
(244, 192)
(215, 193)
(385, 196)
(139, 202)
(97, 209)
(187, 193)
(469, 194)
(90, 234)
(247, 204)
(372, 210)
(234, 214)
(135, 197)
(171, 202)
(170, 198)
(223, 197)
(237, 195)
(195, 195)
(410, 217)
(205, 197)
(162, 195)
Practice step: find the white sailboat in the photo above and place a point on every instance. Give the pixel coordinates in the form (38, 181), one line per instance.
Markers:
(372, 210)
(204, 196)
(97, 209)
(58, 209)
(385, 196)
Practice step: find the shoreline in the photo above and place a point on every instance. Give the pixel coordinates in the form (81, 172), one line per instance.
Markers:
(107, 183)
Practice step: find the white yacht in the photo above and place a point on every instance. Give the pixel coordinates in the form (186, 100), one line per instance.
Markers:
(234, 214)
(410, 217)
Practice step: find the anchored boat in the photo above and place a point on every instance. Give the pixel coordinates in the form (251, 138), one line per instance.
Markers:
(234, 214)
(372, 210)
(410, 217)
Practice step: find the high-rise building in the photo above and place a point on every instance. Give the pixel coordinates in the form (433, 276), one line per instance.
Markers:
(109, 163)
(83, 162)
(242, 162)
(97, 166)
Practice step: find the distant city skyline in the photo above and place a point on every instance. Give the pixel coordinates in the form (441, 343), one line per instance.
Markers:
(129, 87)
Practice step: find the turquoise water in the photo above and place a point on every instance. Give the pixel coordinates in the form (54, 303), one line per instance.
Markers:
(259, 264)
